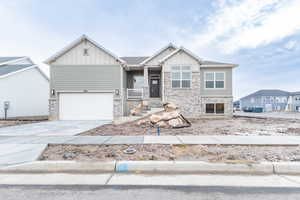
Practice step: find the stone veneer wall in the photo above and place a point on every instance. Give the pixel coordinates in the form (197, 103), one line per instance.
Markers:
(228, 104)
(191, 103)
(53, 109)
(187, 98)
(130, 104)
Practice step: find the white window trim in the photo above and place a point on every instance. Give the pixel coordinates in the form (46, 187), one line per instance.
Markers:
(180, 71)
(214, 88)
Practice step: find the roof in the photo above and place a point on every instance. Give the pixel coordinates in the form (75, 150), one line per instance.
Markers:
(184, 50)
(213, 63)
(7, 69)
(76, 42)
(134, 60)
(170, 45)
(295, 93)
(268, 93)
(7, 59)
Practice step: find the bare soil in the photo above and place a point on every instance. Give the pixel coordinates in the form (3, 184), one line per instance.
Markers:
(234, 126)
(209, 153)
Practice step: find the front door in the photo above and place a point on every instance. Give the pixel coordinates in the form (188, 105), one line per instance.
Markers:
(154, 88)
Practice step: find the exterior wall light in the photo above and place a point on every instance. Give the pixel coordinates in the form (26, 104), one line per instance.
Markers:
(117, 92)
(53, 92)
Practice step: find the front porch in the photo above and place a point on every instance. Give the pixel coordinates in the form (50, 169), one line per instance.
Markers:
(143, 84)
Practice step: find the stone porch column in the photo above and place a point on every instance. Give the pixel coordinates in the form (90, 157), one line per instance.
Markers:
(146, 83)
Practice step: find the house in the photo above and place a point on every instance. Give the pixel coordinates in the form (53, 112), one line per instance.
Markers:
(24, 88)
(269, 100)
(293, 102)
(88, 81)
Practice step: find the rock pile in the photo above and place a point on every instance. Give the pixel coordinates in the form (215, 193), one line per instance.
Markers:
(170, 117)
(139, 109)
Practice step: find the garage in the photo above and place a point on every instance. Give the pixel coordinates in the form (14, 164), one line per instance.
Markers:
(86, 106)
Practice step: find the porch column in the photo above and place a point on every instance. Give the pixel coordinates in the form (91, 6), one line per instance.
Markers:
(146, 83)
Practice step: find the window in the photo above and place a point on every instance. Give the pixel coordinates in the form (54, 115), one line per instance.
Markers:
(85, 52)
(218, 108)
(181, 77)
(210, 108)
(214, 80)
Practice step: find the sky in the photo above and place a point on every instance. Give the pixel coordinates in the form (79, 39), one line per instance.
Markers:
(262, 36)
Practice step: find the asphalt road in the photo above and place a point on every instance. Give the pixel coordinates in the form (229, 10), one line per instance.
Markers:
(144, 192)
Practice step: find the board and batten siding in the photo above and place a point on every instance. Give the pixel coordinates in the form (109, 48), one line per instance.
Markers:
(227, 91)
(87, 77)
(75, 56)
(181, 59)
(156, 59)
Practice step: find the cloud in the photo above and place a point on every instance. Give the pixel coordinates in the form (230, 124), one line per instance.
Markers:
(291, 45)
(249, 24)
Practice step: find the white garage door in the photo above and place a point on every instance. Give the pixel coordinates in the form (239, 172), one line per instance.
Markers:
(85, 106)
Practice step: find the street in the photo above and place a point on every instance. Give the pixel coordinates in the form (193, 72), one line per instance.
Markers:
(34, 192)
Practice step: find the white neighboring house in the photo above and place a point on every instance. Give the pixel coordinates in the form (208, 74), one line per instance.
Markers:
(24, 87)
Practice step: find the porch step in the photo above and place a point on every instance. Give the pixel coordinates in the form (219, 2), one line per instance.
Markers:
(155, 103)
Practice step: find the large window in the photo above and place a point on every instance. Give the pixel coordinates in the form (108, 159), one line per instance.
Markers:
(217, 108)
(214, 80)
(181, 77)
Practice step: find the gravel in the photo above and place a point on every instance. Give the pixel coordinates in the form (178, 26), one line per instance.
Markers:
(209, 153)
(233, 126)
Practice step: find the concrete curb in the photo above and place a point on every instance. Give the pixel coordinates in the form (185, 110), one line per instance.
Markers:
(160, 167)
(61, 167)
(193, 167)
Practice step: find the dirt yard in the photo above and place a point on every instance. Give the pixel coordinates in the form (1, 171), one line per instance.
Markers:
(235, 126)
(209, 153)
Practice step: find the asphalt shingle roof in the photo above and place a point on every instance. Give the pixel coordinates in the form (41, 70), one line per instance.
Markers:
(268, 93)
(6, 69)
(5, 59)
(134, 60)
(207, 62)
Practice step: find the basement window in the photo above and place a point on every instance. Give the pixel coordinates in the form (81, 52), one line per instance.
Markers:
(218, 108)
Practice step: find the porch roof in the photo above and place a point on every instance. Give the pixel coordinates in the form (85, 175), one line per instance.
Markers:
(134, 60)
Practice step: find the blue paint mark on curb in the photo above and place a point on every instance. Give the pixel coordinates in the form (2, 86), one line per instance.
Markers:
(122, 167)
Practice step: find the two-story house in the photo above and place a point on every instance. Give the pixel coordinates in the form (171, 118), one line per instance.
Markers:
(90, 82)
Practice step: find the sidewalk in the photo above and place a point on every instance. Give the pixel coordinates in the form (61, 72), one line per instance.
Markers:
(204, 140)
(280, 115)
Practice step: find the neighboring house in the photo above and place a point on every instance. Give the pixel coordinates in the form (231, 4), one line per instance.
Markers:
(269, 100)
(236, 105)
(293, 102)
(88, 81)
(24, 88)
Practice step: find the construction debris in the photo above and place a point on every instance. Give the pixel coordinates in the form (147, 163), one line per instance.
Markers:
(139, 109)
(170, 118)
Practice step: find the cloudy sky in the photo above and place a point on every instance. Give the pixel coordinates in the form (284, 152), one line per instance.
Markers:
(262, 36)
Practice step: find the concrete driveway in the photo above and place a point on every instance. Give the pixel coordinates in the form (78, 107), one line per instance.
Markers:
(23, 148)
(51, 128)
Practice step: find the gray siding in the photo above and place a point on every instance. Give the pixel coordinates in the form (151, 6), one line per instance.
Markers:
(216, 92)
(87, 77)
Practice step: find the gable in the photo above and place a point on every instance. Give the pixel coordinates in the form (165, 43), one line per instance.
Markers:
(156, 59)
(75, 56)
(182, 58)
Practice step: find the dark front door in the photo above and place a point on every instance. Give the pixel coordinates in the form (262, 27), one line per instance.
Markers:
(154, 88)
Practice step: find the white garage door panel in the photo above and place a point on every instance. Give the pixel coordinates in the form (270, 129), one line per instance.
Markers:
(85, 106)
